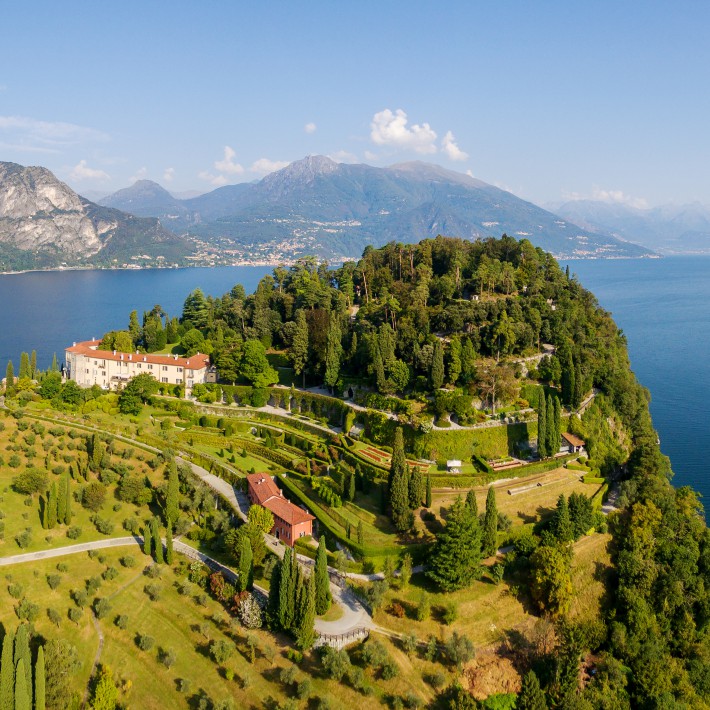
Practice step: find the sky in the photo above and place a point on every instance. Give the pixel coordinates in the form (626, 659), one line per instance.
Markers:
(550, 100)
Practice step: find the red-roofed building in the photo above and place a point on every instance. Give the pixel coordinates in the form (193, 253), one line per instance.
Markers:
(290, 521)
(88, 366)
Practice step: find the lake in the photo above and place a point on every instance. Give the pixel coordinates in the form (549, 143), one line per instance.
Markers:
(661, 305)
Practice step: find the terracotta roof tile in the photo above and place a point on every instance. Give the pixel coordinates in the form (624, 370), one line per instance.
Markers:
(89, 348)
(572, 439)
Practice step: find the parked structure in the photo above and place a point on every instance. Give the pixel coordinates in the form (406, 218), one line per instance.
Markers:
(571, 443)
(290, 521)
(110, 369)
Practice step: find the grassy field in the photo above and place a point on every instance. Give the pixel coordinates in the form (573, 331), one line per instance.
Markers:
(591, 568)
(35, 446)
(529, 505)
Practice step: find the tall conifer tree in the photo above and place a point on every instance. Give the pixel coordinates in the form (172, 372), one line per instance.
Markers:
(437, 366)
(298, 352)
(542, 424)
(246, 564)
(416, 488)
(24, 365)
(286, 591)
(172, 497)
(322, 581)
(62, 500)
(23, 655)
(10, 374)
(553, 444)
(157, 542)
(40, 680)
(23, 701)
(333, 350)
(7, 673)
(33, 364)
(531, 695)
(305, 634)
(490, 524)
(427, 502)
(52, 507)
(169, 552)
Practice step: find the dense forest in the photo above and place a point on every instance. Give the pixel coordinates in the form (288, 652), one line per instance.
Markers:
(446, 324)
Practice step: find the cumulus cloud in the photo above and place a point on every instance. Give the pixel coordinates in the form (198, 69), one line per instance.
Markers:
(310, 127)
(449, 146)
(140, 174)
(369, 155)
(610, 197)
(81, 171)
(216, 180)
(34, 135)
(264, 166)
(391, 129)
(227, 164)
(169, 174)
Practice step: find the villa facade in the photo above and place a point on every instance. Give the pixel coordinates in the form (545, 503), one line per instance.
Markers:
(111, 369)
(290, 521)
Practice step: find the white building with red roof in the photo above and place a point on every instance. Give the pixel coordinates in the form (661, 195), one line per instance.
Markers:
(290, 521)
(109, 369)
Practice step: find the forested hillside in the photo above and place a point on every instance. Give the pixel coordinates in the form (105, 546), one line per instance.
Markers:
(438, 336)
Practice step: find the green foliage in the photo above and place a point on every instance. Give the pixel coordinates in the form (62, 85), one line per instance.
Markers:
(323, 596)
(489, 543)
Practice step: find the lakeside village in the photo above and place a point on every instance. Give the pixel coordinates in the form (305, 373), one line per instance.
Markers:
(381, 484)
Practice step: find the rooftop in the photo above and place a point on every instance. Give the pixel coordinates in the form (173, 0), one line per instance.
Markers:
(90, 348)
(572, 439)
(268, 495)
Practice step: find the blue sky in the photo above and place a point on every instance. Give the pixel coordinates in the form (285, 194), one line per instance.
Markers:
(546, 99)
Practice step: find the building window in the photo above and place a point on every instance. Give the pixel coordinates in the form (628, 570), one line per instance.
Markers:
(179, 369)
(150, 367)
(139, 365)
(87, 370)
(164, 379)
(165, 368)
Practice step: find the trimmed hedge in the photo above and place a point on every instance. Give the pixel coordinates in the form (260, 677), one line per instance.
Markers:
(599, 497)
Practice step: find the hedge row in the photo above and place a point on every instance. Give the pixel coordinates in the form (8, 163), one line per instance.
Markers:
(593, 479)
(599, 497)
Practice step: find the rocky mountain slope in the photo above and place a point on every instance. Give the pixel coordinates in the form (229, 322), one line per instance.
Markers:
(316, 205)
(670, 229)
(44, 223)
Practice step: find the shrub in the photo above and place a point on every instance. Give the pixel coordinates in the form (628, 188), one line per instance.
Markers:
(53, 580)
(80, 597)
(62, 567)
(145, 642)
(396, 610)
(74, 532)
(128, 561)
(24, 539)
(152, 571)
(110, 573)
(15, 590)
(27, 610)
(54, 616)
(75, 614)
(449, 613)
(121, 621)
(153, 591)
(168, 657)
(103, 525)
(222, 650)
(101, 608)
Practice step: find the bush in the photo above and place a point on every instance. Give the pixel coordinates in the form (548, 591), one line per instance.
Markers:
(27, 610)
(128, 561)
(24, 539)
(54, 616)
(101, 608)
(74, 532)
(449, 613)
(121, 621)
(153, 591)
(15, 590)
(53, 580)
(110, 573)
(145, 642)
(103, 525)
(75, 614)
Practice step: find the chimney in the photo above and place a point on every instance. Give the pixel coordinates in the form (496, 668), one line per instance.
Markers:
(74, 344)
(145, 359)
(114, 352)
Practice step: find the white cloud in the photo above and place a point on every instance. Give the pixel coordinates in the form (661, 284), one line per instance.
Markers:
(310, 127)
(610, 197)
(264, 166)
(217, 180)
(449, 146)
(81, 171)
(470, 173)
(169, 174)
(227, 164)
(140, 174)
(369, 155)
(391, 129)
(343, 156)
(33, 135)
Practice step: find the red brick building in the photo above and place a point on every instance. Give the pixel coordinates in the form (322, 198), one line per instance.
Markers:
(290, 521)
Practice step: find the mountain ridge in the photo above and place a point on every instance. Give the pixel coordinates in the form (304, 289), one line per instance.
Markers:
(334, 210)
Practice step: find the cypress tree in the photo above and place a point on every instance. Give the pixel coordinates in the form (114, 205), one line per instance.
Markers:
(437, 366)
(427, 502)
(333, 351)
(147, 540)
(24, 657)
(172, 498)
(542, 425)
(169, 553)
(322, 582)
(471, 503)
(40, 680)
(24, 365)
(246, 564)
(44, 503)
(456, 559)
(52, 507)
(7, 674)
(531, 695)
(62, 500)
(10, 375)
(557, 418)
(490, 524)
(398, 484)
(578, 392)
(286, 591)
(351, 487)
(298, 352)
(33, 364)
(23, 701)
(416, 488)
(158, 544)
(67, 504)
(379, 367)
(568, 380)
(273, 604)
(298, 594)
(305, 634)
(55, 364)
(360, 534)
(553, 444)
(561, 522)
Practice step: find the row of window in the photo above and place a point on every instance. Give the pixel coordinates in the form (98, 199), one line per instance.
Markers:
(139, 365)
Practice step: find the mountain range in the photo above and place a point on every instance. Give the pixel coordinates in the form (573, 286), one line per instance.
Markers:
(335, 210)
(312, 206)
(669, 229)
(45, 224)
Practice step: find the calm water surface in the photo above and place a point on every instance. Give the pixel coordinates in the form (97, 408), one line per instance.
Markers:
(663, 307)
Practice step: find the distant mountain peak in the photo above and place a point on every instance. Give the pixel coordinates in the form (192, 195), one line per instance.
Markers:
(304, 170)
(432, 171)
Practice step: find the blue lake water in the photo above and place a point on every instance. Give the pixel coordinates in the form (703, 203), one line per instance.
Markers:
(662, 305)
